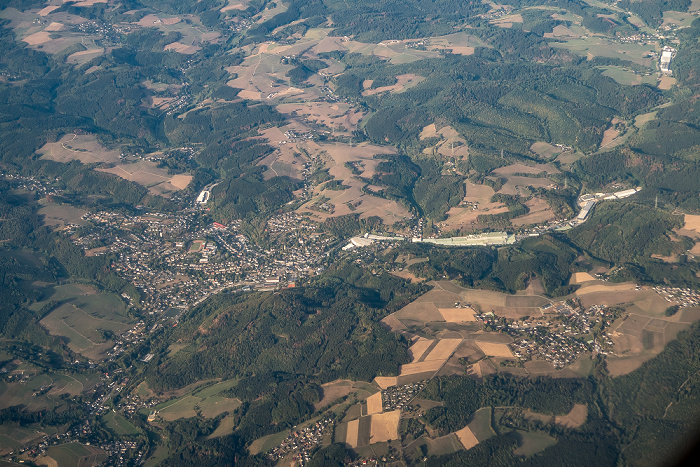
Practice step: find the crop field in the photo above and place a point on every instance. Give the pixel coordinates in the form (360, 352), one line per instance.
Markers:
(443, 349)
(74, 454)
(604, 287)
(374, 403)
(226, 427)
(395, 51)
(532, 443)
(60, 215)
(267, 442)
(450, 144)
(575, 418)
(457, 315)
(205, 402)
(84, 56)
(480, 426)
(192, 31)
(13, 437)
(353, 200)
(84, 148)
(119, 425)
(628, 77)
(338, 116)
(532, 169)
(459, 43)
(597, 46)
(495, 350)
(403, 82)
(466, 437)
(419, 348)
(333, 391)
(83, 319)
(545, 150)
(581, 277)
(540, 212)
(516, 184)
(148, 174)
(385, 426)
(507, 21)
(351, 436)
(421, 367)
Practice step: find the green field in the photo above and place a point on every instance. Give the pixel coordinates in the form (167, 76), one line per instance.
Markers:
(600, 47)
(85, 319)
(532, 443)
(481, 424)
(206, 402)
(627, 77)
(75, 454)
(119, 425)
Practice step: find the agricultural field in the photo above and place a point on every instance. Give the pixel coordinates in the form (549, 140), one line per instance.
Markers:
(73, 454)
(533, 442)
(87, 321)
(599, 46)
(56, 215)
(629, 77)
(119, 425)
(206, 402)
(148, 174)
(83, 147)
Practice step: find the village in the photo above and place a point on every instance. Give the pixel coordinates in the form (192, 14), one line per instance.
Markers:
(177, 262)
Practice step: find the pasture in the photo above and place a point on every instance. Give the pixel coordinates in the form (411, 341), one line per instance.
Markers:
(74, 454)
(119, 425)
(205, 401)
(533, 442)
(628, 77)
(86, 320)
(60, 215)
(598, 46)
